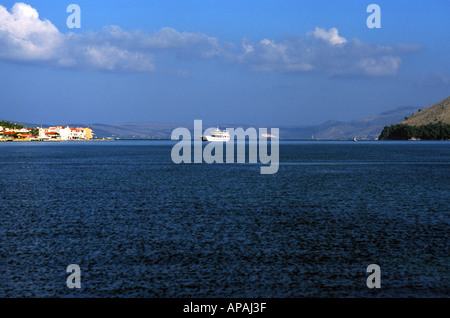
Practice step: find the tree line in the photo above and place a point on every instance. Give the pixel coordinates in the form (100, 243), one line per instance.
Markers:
(7, 124)
(436, 131)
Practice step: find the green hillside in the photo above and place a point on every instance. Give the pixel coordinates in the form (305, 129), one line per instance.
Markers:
(431, 123)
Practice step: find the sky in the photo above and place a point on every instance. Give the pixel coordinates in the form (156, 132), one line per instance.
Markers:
(253, 62)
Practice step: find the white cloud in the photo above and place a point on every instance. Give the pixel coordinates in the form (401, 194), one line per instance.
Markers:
(24, 37)
(112, 58)
(331, 36)
(324, 52)
(383, 66)
(163, 39)
(248, 48)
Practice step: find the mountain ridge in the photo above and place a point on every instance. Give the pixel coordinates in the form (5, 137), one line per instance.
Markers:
(438, 112)
(430, 123)
(368, 127)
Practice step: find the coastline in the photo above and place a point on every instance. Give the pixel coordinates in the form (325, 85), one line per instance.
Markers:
(52, 140)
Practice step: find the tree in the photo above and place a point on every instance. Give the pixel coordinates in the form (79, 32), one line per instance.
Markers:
(35, 131)
(7, 124)
(433, 131)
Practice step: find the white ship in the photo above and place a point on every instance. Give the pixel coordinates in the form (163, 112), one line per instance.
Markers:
(217, 135)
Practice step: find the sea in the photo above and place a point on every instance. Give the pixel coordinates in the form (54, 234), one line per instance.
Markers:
(138, 225)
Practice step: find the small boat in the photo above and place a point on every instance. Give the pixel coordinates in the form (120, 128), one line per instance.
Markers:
(354, 139)
(217, 135)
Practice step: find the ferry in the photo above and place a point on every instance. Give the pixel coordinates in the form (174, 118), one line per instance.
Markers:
(217, 135)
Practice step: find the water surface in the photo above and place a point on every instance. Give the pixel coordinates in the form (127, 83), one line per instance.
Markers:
(139, 225)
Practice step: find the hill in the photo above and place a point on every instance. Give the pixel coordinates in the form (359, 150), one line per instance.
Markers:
(143, 130)
(439, 112)
(363, 128)
(431, 123)
(8, 124)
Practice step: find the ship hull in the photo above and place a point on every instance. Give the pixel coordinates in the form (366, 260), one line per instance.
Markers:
(211, 138)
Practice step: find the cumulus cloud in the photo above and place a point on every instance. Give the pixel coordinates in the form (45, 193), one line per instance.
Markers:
(324, 52)
(331, 36)
(25, 37)
(269, 56)
(166, 39)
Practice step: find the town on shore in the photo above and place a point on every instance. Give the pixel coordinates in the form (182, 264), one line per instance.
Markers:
(56, 133)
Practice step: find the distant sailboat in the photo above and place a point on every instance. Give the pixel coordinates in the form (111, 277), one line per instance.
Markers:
(354, 139)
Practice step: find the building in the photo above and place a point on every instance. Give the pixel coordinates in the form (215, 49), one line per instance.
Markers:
(77, 133)
(66, 133)
(51, 135)
(26, 136)
(88, 132)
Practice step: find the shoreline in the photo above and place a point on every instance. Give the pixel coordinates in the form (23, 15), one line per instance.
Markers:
(163, 139)
(52, 140)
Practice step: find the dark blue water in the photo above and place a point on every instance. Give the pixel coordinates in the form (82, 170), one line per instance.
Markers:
(139, 225)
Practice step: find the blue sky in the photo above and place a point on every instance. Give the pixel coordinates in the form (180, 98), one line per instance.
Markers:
(272, 63)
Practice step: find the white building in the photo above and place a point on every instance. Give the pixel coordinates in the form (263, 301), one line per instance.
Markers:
(77, 133)
(63, 133)
(70, 133)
